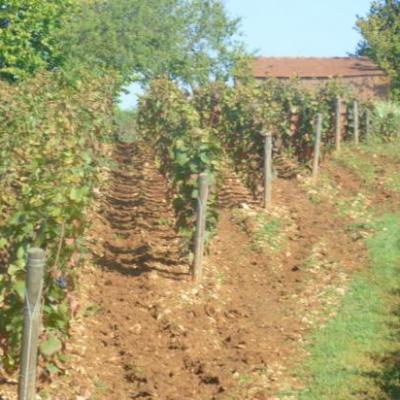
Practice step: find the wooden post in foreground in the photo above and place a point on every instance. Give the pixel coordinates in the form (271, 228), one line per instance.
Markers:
(317, 147)
(267, 169)
(338, 120)
(32, 319)
(356, 123)
(197, 271)
(367, 125)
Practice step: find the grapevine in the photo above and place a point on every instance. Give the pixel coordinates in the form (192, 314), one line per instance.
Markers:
(185, 149)
(49, 139)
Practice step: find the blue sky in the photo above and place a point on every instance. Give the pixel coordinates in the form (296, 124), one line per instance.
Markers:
(299, 27)
(320, 28)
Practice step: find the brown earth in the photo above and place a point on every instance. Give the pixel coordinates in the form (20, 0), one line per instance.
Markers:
(144, 331)
(378, 192)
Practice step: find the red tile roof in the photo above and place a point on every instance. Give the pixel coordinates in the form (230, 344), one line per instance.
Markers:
(311, 67)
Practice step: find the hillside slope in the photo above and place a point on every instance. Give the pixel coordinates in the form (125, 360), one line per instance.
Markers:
(272, 280)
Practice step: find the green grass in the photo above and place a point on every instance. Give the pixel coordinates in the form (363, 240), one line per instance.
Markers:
(356, 355)
(392, 182)
(362, 167)
(357, 207)
(390, 150)
(269, 231)
(363, 164)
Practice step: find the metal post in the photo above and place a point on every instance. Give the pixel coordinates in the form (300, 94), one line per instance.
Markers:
(317, 147)
(197, 271)
(356, 123)
(338, 136)
(367, 125)
(267, 169)
(32, 311)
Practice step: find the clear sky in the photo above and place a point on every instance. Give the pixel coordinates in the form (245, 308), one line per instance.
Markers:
(299, 27)
(321, 28)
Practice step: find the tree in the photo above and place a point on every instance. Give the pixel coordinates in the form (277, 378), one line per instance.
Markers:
(381, 33)
(27, 42)
(188, 40)
(207, 48)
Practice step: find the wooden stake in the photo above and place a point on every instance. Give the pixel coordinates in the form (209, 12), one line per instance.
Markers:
(197, 270)
(338, 135)
(317, 147)
(32, 317)
(356, 123)
(267, 169)
(367, 125)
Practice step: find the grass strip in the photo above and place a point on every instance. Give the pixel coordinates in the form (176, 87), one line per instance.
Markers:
(355, 356)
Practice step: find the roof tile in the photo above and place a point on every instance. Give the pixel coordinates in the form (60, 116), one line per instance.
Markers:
(311, 67)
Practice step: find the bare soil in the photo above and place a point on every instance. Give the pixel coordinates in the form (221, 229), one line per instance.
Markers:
(145, 332)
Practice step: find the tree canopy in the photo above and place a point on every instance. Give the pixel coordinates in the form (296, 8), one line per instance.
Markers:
(381, 37)
(190, 40)
(27, 40)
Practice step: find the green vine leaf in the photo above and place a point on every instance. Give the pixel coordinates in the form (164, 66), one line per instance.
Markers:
(51, 346)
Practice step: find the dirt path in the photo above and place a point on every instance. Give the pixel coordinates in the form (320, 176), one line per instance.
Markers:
(145, 333)
(277, 299)
(138, 267)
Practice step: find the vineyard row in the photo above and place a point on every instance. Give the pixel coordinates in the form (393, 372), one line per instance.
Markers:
(220, 124)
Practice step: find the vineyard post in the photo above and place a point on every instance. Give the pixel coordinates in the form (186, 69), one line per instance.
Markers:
(356, 122)
(367, 125)
(267, 169)
(32, 317)
(338, 136)
(197, 270)
(317, 146)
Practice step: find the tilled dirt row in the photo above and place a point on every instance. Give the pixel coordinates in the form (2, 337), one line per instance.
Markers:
(138, 218)
(233, 193)
(147, 333)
